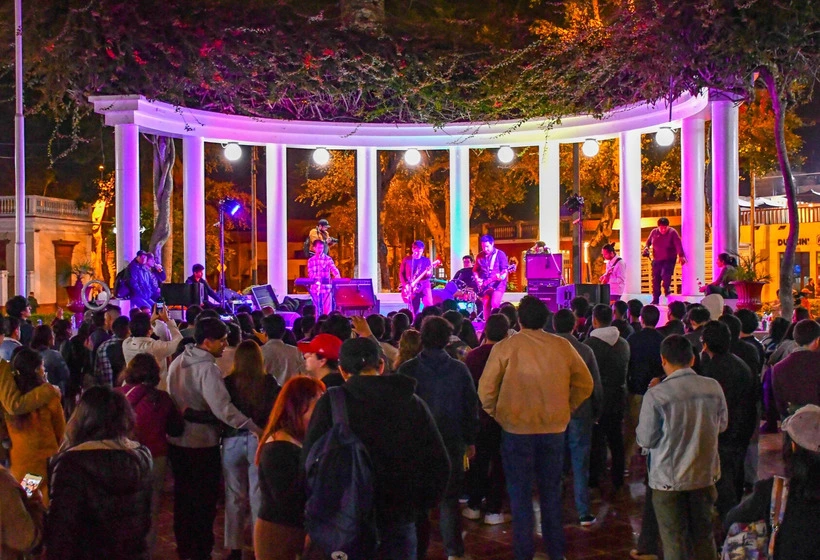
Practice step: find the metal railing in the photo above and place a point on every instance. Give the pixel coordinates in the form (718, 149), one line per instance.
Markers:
(776, 216)
(46, 207)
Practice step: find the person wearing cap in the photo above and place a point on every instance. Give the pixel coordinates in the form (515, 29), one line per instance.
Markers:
(322, 359)
(666, 249)
(797, 537)
(140, 284)
(198, 277)
(321, 233)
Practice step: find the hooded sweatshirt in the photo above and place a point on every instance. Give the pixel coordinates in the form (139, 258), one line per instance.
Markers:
(612, 354)
(195, 382)
(410, 461)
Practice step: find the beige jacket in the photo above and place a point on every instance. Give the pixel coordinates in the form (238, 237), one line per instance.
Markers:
(532, 382)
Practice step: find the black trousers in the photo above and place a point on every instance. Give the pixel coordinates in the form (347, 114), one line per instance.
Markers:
(608, 431)
(485, 479)
(196, 491)
(662, 272)
(730, 486)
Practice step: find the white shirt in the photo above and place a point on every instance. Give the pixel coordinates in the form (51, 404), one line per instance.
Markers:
(616, 268)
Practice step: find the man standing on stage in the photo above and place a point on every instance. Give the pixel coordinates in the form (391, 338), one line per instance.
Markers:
(321, 270)
(615, 274)
(666, 245)
(416, 267)
(491, 273)
(320, 233)
(198, 277)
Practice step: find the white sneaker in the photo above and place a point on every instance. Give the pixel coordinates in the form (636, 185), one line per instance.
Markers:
(495, 519)
(471, 513)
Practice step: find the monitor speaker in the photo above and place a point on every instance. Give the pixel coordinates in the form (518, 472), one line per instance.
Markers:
(595, 293)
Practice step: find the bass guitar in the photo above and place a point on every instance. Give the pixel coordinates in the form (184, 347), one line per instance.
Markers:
(409, 290)
(486, 285)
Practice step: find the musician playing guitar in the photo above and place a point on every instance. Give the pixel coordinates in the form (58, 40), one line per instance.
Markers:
(414, 276)
(491, 270)
(321, 270)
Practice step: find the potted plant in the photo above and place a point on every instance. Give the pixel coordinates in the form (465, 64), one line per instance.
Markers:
(748, 281)
(79, 271)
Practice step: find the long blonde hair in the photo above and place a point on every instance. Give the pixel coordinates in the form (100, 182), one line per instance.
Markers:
(248, 375)
(409, 347)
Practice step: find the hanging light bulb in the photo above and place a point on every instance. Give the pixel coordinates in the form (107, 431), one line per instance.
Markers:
(321, 156)
(590, 147)
(412, 156)
(505, 154)
(233, 151)
(665, 136)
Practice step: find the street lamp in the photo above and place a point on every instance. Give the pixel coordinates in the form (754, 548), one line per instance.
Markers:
(665, 136)
(412, 156)
(321, 156)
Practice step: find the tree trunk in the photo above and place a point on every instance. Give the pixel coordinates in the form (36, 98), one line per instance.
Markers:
(787, 266)
(601, 236)
(164, 156)
(365, 16)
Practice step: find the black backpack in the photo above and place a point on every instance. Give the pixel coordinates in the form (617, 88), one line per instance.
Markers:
(339, 512)
(121, 289)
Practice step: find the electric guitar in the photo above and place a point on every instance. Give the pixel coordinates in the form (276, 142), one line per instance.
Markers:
(486, 285)
(409, 290)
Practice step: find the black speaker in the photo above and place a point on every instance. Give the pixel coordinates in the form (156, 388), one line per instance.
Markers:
(181, 294)
(595, 293)
(545, 290)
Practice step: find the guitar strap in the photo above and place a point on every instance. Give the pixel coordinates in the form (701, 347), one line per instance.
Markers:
(492, 260)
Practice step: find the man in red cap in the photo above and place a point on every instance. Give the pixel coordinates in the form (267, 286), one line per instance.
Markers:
(322, 359)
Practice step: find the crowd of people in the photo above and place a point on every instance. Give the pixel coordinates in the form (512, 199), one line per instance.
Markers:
(440, 411)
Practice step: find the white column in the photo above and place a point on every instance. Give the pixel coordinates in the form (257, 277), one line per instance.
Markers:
(630, 208)
(276, 176)
(693, 209)
(193, 200)
(549, 195)
(367, 161)
(126, 144)
(459, 205)
(725, 178)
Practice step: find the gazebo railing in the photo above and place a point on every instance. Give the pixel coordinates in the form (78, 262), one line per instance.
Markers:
(46, 207)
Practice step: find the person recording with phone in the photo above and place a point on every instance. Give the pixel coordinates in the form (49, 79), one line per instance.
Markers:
(23, 518)
(142, 327)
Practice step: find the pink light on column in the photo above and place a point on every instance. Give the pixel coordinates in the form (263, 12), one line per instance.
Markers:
(277, 217)
(630, 208)
(367, 160)
(725, 178)
(127, 185)
(193, 199)
(693, 217)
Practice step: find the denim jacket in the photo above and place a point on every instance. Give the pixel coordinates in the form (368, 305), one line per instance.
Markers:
(680, 420)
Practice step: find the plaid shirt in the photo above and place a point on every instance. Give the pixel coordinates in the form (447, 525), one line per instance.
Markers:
(321, 267)
(103, 368)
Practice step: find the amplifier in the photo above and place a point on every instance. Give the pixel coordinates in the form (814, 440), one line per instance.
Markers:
(543, 265)
(595, 293)
(354, 296)
(548, 283)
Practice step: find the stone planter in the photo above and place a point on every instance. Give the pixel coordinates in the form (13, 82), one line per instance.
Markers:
(748, 295)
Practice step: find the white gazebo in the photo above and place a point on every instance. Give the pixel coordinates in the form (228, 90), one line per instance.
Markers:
(132, 114)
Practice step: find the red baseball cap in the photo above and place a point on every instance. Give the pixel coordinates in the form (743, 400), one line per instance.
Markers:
(326, 345)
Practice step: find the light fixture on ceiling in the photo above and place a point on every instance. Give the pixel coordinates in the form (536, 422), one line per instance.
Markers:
(505, 154)
(590, 147)
(321, 156)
